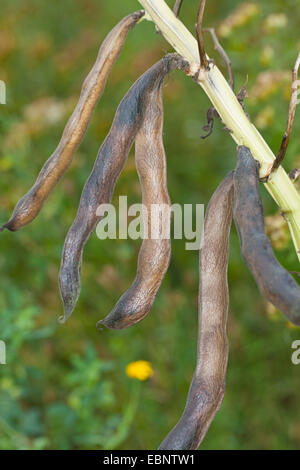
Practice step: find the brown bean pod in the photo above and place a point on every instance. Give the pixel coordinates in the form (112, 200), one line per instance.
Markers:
(207, 388)
(274, 282)
(31, 203)
(154, 255)
(109, 163)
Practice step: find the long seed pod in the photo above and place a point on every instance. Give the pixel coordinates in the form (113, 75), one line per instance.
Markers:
(154, 255)
(274, 282)
(31, 203)
(101, 182)
(207, 388)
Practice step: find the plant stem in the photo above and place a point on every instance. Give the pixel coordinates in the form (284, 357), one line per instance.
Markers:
(224, 100)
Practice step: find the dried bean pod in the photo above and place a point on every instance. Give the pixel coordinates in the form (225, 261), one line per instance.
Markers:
(154, 255)
(274, 282)
(31, 203)
(207, 388)
(101, 182)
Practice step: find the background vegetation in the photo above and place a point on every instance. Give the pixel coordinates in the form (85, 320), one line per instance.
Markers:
(65, 387)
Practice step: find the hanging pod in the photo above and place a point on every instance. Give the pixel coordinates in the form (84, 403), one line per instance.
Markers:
(207, 388)
(31, 203)
(155, 251)
(108, 165)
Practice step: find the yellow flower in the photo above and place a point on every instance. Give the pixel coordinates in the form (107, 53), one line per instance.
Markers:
(140, 370)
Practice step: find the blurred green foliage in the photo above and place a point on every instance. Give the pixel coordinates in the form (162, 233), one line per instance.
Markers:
(65, 387)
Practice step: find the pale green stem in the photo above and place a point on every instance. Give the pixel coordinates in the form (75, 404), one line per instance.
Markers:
(224, 100)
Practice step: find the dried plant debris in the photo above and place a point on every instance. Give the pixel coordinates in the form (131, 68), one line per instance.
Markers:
(199, 33)
(223, 54)
(210, 118)
(291, 116)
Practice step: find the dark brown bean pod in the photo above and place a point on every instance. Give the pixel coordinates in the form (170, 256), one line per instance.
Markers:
(154, 255)
(274, 282)
(101, 182)
(31, 203)
(208, 385)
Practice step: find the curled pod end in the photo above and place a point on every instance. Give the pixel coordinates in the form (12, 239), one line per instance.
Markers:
(68, 310)
(9, 226)
(99, 325)
(112, 321)
(129, 310)
(69, 291)
(62, 319)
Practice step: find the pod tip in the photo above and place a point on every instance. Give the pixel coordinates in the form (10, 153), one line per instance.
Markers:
(5, 226)
(62, 319)
(99, 325)
(9, 226)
